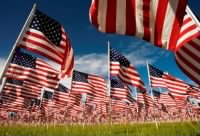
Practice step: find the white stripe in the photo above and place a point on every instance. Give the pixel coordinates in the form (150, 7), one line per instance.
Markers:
(139, 18)
(101, 17)
(121, 17)
(168, 22)
(153, 9)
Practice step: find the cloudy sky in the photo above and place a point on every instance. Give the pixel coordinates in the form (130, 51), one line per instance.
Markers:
(90, 45)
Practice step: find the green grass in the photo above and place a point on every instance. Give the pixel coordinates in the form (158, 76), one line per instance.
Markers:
(147, 129)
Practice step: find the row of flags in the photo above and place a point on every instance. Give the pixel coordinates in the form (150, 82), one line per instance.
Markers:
(27, 76)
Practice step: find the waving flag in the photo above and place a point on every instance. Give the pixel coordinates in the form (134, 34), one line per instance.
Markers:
(158, 21)
(188, 48)
(120, 91)
(87, 83)
(26, 67)
(21, 88)
(120, 66)
(176, 87)
(61, 94)
(163, 23)
(156, 77)
(47, 37)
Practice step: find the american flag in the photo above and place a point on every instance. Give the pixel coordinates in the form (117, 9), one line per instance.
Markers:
(61, 95)
(167, 100)
(34, 70)
(21, 88)
(120, 91)
(47, 37)
(145, 19)
(188, 53)
(120, 66)
(156, 77)
(176, 86)
(87, 83)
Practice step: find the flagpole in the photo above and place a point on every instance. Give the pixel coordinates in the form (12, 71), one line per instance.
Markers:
(3, 83)
(151, 93)
(109, 85)
(189, 11)
(27, 23)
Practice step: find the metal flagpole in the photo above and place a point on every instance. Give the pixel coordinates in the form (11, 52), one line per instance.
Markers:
(151, 93)
(109, 85)
(27, 23)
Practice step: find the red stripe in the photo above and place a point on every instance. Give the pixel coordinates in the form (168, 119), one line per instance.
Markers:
(187, 30)
(130, 17)
(146, 19)
(159, 22)
(177, 24)
(187, 20)
(94, 13)
(111, 16)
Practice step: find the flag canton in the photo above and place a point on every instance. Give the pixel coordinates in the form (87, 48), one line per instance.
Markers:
(140, 90)
(80, 77)
(115, 83)
(156, 93)
(48, 26)
(14, 81)
(116, 56)
(24, 59)
(155, 72)
(48, 95)
(62, 88)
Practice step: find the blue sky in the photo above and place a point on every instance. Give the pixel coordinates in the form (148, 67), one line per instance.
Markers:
(90, 45)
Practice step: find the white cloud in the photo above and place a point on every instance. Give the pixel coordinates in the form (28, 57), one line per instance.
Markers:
(140, 52)
(92, 63)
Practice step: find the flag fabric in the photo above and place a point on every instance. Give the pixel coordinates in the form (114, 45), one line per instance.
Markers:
(187, 58)
(156, 77)
(188, 48)
(158, 22)
(48, 38)
(26, 67)
(167, 100)
(176, 86)
(61, 95)
(21, 88)
(120, 66)
(120, 91)
(87, 83)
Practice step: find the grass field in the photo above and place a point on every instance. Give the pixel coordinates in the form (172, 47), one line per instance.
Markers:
(147, 129)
